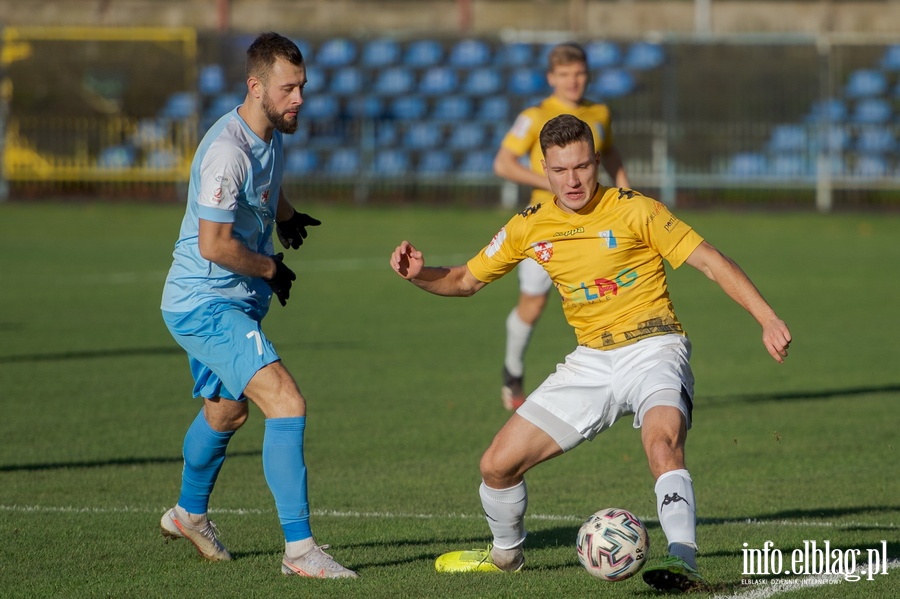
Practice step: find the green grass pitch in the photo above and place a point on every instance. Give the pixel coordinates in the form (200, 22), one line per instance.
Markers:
(403, 393)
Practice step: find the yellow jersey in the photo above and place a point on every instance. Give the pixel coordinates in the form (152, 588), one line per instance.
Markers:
(523, 136)
(606, 261)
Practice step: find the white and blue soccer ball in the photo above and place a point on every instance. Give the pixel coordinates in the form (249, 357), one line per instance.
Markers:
(613, 544)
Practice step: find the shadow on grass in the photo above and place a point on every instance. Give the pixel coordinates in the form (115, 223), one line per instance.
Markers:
(148, 351)
(804, 395)
(113, 463)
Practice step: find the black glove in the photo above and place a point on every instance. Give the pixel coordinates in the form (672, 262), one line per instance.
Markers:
(283, 279)
(292, 231)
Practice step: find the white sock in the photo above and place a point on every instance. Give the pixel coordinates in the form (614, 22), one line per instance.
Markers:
(505, 513)
(295, 549)
(518, 333)
(677, 514)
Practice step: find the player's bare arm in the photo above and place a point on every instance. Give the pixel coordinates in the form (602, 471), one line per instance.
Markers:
(738, 286)
(218, 245)
(450, 281)
(507, 165)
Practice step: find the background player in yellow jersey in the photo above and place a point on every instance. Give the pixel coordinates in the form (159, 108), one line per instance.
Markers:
(567, 74)
(604, 250)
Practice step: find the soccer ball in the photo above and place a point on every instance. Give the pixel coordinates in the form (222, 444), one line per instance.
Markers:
(613, 544)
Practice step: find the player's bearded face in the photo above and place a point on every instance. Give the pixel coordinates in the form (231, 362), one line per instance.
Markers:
(284, 121)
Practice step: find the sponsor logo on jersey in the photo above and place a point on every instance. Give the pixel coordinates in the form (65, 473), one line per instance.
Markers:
(601, 288)
(609, 239)
(670, 224)
(530, 210)
(569, 232)
(521, 126)
(657, 208)
(216, 196)
(494, 246)
(543, 251)
(264, 198)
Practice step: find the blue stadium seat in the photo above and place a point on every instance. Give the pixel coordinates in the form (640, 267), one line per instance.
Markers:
(365, 107)
(642, 56)
(865, 83)
(321, 106)
(211, 79)
(871, 111)
(394, 81)
(422, 135)
(179, 106)
(343, 162)
(482, 82)
(149, 133)
(514, 54)
(436, 81)
(602, 54)
(305, 48)
(161, 159)
(467, 136)
(452, 108)
(612, 83)
(875, 140)
(391, 162)
(871, 166)
(469, 53)
(423, 53)
(301, 161)
(829, 110)
(748, 165)
(222, 104)
(890, 61)
(477, 163)
(527, 82)
(790, 166)
(788, 138)
(435, 162)
(379, 53)
(408, 108)
(116, 157)
(316, 79)
(336, 52)
(834, 138)
(346, 81)
(494, 109)
(386, 134)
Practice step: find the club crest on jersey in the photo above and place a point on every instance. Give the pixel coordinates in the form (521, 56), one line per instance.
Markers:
(494, 246)
(264, 198)
(543, 251)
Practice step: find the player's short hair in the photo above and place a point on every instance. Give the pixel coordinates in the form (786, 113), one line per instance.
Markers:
(266, 49)
(565, 54)
(564, 130)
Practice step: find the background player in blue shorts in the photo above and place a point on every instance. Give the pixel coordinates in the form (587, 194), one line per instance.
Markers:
(218, 290)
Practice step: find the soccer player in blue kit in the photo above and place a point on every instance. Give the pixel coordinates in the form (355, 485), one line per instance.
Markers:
(219, 288)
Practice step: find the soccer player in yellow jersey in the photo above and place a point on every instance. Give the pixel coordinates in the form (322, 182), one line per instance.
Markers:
(567, 74)
(603, 249)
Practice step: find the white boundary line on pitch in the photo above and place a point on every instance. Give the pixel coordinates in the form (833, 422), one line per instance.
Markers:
(461, 516)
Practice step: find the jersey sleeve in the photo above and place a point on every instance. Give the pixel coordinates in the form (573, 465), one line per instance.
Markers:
(522, 136)
(500, 256)
(661, 230)
(222, 174)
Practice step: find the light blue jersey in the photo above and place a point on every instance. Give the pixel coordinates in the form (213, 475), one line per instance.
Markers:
(235, 178)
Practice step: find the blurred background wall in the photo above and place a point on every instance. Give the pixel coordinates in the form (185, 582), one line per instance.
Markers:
(715, 102)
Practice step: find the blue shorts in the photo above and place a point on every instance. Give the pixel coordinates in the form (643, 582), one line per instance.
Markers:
(225, 346)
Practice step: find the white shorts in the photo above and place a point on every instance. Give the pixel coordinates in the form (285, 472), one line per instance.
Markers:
(593, 388)
(533, 279)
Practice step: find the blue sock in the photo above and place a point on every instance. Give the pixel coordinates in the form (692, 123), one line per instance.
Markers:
(285, 473)
(204, 453)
